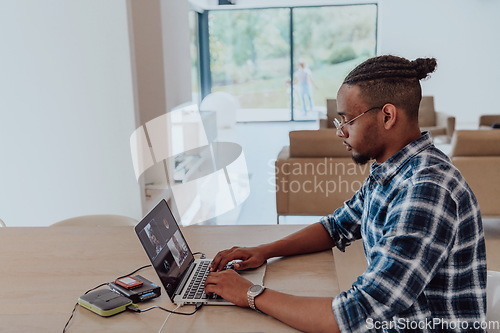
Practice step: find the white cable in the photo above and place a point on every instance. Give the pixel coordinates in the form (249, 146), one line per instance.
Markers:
(168, 316)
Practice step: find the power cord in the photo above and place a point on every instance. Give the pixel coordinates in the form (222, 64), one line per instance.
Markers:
(101, 285)
(135, 308)
(166, 319)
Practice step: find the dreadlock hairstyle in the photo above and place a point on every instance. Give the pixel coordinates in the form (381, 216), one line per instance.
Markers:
(390, 79)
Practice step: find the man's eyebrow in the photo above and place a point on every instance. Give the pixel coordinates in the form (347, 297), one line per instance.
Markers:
(341, 113)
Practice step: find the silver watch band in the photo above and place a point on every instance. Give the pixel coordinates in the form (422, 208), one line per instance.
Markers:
(252, 293)
(251, 302)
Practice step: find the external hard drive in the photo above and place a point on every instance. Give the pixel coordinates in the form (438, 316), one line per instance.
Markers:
(146, 291)
(104, 302)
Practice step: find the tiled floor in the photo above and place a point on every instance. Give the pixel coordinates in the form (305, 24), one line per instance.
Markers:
(261, 144)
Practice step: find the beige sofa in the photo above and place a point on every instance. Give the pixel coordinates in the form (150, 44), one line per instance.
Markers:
(486, 121)
(476, 153)
(315, 174)
(438, 123)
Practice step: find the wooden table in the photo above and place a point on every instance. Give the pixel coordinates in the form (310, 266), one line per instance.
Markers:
(44, 270)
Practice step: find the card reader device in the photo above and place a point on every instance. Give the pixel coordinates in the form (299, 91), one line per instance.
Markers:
(142, 293)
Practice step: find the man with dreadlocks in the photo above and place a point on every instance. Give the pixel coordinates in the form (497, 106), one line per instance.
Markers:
(417, 218)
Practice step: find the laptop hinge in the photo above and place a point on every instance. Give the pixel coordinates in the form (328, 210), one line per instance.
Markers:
(180, 286)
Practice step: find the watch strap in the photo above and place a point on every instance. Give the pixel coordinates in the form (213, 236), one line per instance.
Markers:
(251, 297)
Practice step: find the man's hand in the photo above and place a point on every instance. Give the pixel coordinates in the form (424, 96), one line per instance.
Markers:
(251, 257)
(229, 285)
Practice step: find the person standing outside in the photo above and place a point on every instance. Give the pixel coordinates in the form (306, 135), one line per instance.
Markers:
(303, 77)
(418, 220)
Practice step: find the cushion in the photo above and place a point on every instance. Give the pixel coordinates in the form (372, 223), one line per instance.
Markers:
(475, 143)
(317, 143)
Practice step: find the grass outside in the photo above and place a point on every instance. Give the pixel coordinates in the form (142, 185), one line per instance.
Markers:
(274, 93)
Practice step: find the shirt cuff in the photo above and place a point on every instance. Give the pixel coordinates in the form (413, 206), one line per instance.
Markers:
(340, 314)
(328, 225)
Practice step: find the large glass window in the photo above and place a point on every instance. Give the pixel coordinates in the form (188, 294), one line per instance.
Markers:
(250, 58)
(283, 63)
(328, 43)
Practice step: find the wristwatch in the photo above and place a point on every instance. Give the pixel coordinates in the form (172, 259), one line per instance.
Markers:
(252, 293)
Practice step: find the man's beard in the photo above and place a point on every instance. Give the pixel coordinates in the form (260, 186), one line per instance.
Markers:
(361, 159)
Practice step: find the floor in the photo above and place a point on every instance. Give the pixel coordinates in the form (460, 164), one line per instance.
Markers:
(261, 143)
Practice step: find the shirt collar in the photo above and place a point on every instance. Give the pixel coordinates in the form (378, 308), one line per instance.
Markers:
(382, 173)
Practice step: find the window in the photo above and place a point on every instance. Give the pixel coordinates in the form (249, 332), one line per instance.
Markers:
(283, 63)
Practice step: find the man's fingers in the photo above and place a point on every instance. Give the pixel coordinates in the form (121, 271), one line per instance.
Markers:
(251, 262)
(212, 289)
(212, 278)
(222, 258)
(242, 265)
(216, 262)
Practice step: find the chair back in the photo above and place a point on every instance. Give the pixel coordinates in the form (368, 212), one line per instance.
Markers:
(331, 112)
(493, 296)
(97, 221)
(225, 105)
(427, 112)
(2, 223)
(488, 120)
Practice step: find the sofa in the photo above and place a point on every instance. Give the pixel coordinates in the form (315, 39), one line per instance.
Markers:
(476, 153)
(438, 123)
(315, 174)
(487, 121)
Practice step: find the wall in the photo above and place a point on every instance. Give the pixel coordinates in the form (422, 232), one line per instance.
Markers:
(463, 36)
(66, 111)
(159, 33)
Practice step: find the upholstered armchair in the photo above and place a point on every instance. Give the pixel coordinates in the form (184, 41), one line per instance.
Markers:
(315, 174)
(476, 153)
(438, 123)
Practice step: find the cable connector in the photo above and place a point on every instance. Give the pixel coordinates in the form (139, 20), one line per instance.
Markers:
(134, 308)
(202, 255)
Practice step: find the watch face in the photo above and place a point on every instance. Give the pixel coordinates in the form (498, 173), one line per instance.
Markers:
(255, 288)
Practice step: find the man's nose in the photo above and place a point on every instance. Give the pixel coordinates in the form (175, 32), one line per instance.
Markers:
(341, 133)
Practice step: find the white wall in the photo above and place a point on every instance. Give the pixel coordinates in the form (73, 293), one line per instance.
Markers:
(463, 36)
(66, 111)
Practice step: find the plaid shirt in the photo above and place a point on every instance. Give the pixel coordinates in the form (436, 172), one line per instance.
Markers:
(423, 240)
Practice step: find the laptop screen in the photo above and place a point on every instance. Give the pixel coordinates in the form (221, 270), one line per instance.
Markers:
(165, 246)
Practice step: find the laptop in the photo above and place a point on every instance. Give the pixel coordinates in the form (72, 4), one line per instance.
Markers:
(182, 276)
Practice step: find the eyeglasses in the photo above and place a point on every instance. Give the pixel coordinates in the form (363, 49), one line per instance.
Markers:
(339, 124)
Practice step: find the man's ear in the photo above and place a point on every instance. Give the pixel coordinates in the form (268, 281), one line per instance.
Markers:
(390, 116)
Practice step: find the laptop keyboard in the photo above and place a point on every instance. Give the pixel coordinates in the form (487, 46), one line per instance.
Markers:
(196, 289)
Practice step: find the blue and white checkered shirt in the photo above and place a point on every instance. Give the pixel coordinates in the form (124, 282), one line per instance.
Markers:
(423, 240)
